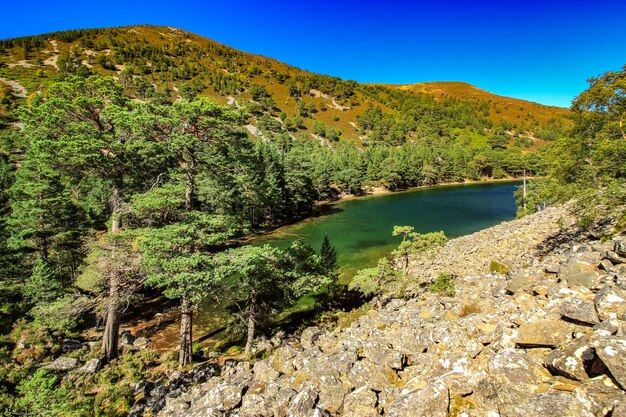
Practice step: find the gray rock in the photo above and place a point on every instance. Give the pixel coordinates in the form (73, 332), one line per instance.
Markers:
(600, 395)
(575, 276)
(254, 405)
(127, 338)
(303, 403)
(579, 310)
(551, 404)
(90, 367)
(264, 372)
(309, 337)
(612, 351)
(606, 265)
(70, 345)
(517, 370)
(569, 360)
(619, 410)
(610, 327)
(61, 364)
(282, 360)
(521, 282)
(432, 401)
(361, 403)
(610, 303)
(331, 393)
(141, 342)
(614, 258)
(280, 403)
(376, 375)
(548, 333)
(222, 395)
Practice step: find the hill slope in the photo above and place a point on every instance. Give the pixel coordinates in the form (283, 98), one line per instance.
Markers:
(493, 106)
(164, 63)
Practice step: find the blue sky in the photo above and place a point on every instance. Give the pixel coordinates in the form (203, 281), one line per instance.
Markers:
(538, 50)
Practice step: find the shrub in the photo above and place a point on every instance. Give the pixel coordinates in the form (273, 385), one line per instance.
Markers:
(467, 309)
(443, 285)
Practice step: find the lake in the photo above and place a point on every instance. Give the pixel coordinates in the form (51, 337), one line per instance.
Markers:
(360, 228)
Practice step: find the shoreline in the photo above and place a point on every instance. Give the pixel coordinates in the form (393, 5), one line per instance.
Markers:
(379, 190)
(371, 192)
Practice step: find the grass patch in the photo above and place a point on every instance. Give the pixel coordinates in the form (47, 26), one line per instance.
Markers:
(498, 268)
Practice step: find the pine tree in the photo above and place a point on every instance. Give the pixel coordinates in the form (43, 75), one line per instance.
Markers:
(328, 258)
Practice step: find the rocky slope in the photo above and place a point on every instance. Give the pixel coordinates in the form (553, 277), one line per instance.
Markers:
(538, 332)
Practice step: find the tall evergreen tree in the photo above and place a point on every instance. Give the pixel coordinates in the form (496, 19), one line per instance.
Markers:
(84, 131)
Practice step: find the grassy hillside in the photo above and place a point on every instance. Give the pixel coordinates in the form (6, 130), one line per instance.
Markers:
(164, 63)
(493, 106)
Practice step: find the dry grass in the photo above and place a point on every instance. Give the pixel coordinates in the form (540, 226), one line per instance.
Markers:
(470, 308)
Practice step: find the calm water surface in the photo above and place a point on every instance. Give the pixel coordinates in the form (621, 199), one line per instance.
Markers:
(360, 229)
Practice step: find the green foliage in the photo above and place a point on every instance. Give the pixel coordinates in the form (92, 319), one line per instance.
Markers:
(414, 243)
(378, 280)
(588, 163)
(328, 258)
(41, 286)
(177, 256)
(443, 285)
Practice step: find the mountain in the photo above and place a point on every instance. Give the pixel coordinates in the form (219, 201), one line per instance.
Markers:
(164, 63)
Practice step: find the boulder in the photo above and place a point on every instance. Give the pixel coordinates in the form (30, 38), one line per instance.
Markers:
(254, 405)
(61, 364)
(515, 369)
(221, 395)
(90, 367)
(70, 345)
(579, 310)
(331, 393)
(282, 359)
(432, 401)
(264, 372)
(127, 338)
(361, 403)
(612, 351)
(280, 402)
(577, 274)
(549, 404)
(303, 403)
(141, 342)
(610, 303)
(615, 258)
(376, 375)
(600, 395)
(543, 333)
(570, 360)
(309, 337)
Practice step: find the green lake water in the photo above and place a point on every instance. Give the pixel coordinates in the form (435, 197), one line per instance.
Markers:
(360, 229)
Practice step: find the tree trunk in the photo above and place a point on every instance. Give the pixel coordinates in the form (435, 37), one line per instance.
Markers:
(112, 326)
(186, 336)
(116, 208)
(251, 324)
(189, 191)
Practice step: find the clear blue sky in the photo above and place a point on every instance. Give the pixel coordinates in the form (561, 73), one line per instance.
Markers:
(539, 50)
